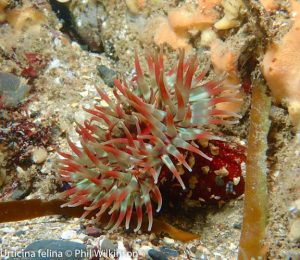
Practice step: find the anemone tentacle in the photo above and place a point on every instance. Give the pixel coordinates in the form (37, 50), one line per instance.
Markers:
(150, 124)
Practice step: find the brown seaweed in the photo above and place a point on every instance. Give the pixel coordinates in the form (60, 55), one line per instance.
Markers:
(18, 210)
(255, 202)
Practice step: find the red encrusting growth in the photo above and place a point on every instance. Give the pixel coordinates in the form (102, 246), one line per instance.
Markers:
(35, 63)
(150, 125)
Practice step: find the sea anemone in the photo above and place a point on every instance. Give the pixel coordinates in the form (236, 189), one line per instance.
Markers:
(150, 126)
(212, 181)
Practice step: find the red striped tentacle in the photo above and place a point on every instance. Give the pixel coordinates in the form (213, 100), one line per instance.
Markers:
(148, 127)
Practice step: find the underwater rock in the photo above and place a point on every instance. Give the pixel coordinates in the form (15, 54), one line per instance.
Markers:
(20, 233)
(156, 255)
(59, 249)
(168, 241)
(169, 251)
(295, 207)
(68, 234)
(21, 192)
(107, 245)
(39, 155)
(237, 225)
(143, 250)
(107, 75)
(7, 230)
(294, 234)
(93, 231)
(110, 50)
(87, 20)
(13, 90)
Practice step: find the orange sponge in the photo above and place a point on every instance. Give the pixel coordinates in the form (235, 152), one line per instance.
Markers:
(185, 21)
(281, 66)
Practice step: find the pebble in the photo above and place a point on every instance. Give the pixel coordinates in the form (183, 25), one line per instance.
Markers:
(107, 75)
(68, 234)
(93, 231)
(237, 225)
(295, 207)
(110, 51)
(168, 241)
(294, 234)
(168, 251)
(143, 250)
(83, 237)
(87, 21)
(122, 252)
(7, 230)
(54, 250)
(157, 255)
(13, 89)
(20, 233)
(138, 241)
(107, 245)
(39, 155)
(202, 252)
(21, 192)
(232, 246)
(152, 237)
(192, 248)
(294, 255)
